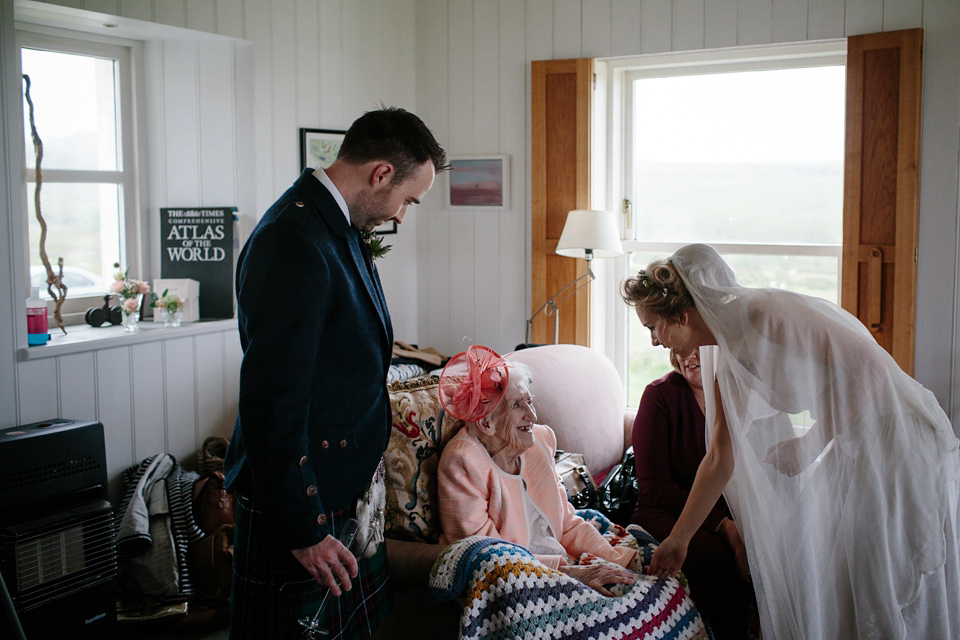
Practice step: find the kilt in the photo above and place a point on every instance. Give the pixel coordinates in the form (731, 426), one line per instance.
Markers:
(272, 590)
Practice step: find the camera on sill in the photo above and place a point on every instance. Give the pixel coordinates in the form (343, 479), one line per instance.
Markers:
(98, 316)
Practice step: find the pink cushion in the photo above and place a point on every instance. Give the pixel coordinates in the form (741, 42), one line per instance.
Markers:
(578, 393)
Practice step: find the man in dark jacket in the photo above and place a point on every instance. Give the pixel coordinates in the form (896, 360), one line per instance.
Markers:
(314, 413)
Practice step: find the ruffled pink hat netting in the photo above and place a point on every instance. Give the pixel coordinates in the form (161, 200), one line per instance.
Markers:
(473, 383)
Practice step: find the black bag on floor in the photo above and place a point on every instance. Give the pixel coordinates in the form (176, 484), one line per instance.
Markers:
(617, 494)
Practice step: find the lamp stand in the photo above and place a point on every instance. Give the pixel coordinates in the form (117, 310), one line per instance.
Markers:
(550, 306)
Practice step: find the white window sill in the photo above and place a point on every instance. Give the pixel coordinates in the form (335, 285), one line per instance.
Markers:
(84, 338)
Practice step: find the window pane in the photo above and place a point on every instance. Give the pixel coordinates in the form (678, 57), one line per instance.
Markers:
(811, 275)
(83, 227)
(74, 101)
(746, 157)
(645, 362)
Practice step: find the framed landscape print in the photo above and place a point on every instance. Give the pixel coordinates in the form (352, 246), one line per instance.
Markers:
(319, 147)
(478, 182)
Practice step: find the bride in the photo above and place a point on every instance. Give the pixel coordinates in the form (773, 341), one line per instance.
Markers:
(840, 468)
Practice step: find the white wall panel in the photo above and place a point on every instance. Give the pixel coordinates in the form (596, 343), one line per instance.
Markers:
(201, 15)
(624, 27)
(180, 400)
(688, 25)
(182, 133)
(78, 392)
(595, 16)
(567, 34)
(232, 356)
(901, 14)
(137, 9)
(210, 384)
(330, 35)
(217, 126)
(230, 18)
(863, 16)
(283, 115)
(825, 19)
(513, 247)
(789, 21)
(102, 6)
(719, 23)
(539, 24)
(656, 26)
(114, 411)
(307, 62)
(147, 399)
(463, 280)
(433, 292)
(171, 12)
(754, 21)
(39, 395)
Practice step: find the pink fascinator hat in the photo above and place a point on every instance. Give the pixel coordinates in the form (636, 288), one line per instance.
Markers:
(472, 383)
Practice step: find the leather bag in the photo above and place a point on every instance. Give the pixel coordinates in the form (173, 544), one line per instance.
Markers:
(213, 507)
(579, 484)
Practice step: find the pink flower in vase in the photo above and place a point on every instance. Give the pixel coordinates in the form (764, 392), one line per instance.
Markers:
(142, 287)
(117, 286)
(130, 305)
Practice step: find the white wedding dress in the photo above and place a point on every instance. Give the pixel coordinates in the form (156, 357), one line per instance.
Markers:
(862, 542)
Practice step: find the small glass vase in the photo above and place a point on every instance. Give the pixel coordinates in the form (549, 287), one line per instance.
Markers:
(131, 319)
(171, 318)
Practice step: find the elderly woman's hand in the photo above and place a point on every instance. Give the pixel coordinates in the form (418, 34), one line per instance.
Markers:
(597, 575)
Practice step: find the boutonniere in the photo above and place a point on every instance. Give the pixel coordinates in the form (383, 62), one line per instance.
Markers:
(374, 244)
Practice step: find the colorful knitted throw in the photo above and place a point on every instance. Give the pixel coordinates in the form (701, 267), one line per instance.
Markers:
(510, 595)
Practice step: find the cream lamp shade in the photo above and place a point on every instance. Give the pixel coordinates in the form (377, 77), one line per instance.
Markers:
(588, 234)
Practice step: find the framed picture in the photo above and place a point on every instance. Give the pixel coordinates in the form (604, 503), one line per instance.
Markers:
(478, 182)
(388, 227)
(319, 147)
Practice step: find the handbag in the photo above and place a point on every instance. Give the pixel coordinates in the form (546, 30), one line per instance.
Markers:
(617, 494)
(580, 487)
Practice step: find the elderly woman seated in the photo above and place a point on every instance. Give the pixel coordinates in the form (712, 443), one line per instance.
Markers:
(497, 478)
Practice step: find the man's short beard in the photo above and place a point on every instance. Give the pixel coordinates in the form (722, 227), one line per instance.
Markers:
(368, 210)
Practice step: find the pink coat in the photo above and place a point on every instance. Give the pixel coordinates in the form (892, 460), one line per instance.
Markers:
(478, 498)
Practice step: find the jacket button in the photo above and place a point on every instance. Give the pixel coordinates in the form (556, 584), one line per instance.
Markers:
(303, 461)
(311, 491)
(321, 519)
(343, 444)
(298, 203)
(324, 444)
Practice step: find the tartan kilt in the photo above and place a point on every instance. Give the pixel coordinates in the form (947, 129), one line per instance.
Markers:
(272, 590)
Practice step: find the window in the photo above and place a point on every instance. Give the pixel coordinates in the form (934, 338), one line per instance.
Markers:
(744, 154)
(80, 91)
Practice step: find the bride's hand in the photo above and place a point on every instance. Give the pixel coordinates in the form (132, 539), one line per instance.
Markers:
(793, 455)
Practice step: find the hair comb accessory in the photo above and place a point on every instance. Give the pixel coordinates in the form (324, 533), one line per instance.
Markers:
(645, 280)
(473, 383)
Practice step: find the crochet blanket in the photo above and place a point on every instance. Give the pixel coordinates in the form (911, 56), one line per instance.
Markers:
(509, 594)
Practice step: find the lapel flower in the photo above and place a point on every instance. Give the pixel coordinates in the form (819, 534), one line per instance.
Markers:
(374, 244)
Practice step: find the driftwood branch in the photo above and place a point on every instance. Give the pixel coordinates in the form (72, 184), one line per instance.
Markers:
(55, 286)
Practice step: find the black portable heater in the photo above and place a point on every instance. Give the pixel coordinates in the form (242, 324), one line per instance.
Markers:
(57, 552)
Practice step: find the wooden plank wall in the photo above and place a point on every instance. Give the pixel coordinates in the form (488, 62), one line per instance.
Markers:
(464, 66)
(307, 63)
(463, 267)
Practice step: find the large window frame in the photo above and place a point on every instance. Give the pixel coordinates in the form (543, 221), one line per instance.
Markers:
(125, 176)
(616, 77)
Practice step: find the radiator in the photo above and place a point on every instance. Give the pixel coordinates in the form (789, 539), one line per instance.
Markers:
(57, 551)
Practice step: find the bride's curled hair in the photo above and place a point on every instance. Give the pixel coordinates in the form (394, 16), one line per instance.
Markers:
(659, 289)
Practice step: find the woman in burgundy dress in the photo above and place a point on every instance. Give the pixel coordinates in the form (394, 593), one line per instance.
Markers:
(668, 445)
